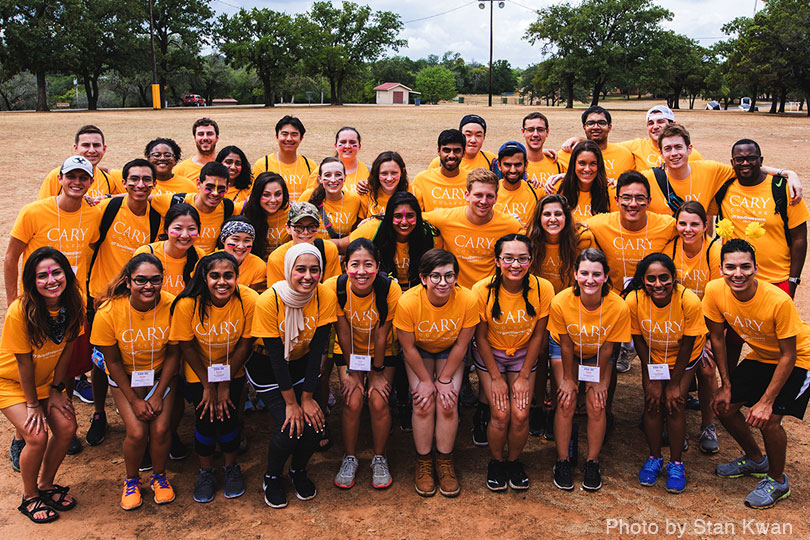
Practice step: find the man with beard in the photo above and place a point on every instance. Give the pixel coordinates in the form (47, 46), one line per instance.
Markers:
(206, 136)
(516, 197)
(597, 124)
(444, 186)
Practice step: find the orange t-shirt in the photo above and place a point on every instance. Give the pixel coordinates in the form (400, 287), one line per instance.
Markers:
(434, 190)
(297, 176)
(695, 272)
(646, 153)
(542, 170)
(436, 329)
(617, 159)
(173, 281)
(518, 203)
(550, 265)
(589, 330)
(175, 184)
(704, 181)
(343, 214)
(189, 169)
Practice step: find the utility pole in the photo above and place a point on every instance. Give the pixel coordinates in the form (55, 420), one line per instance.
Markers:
(483, 5)
(155, 85)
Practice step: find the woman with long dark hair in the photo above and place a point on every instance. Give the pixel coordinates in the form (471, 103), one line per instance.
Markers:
(338, 206)
(585, 185)
(388, 176)
(267, 210)
(239, 176)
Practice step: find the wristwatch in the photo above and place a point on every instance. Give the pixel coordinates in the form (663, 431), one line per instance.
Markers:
(795, 280)
(59, 387)
(378, 369)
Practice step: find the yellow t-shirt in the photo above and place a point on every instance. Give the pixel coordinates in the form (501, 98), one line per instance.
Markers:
(362, 316)
(175, 184)
(542, 170)
(173, 281)
(142, 337)
(343, 214)
(589, 330)
(749, 204)
(237, 195)
(646, 153)
(41, 223)
(762, 321)
(376, 207)
(296, 175)
(473, 245)
(703, 183)
(210, 222)
(436, 329)
(518, 203)
(217, 337)
(252, 271)
(189, 169)
(434, 190)
(695, 272)
(624, 249)
(361, 173)
(583, 210)
(275, 262)
(513, 329)
(617, 160)
(550, 265)
(270, 317)
(277, 229)
(104, 183)
(482, 160)
(663, 328)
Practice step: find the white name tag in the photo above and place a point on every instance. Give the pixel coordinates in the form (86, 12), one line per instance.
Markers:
(75, 270)
(143, 378)
(219, 373)
(588, 373)
(658, 372)
(359, 362)
(627, 280)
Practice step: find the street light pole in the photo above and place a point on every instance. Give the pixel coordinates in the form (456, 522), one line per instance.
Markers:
(482, 5)
(155, 85)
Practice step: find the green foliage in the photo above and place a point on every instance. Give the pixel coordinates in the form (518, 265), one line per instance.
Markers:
(435, 83)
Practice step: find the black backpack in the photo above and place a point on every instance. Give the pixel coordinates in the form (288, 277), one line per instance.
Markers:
(780, 199)
(382, 284)
(708, 249)
(318, 242)
(672, 199)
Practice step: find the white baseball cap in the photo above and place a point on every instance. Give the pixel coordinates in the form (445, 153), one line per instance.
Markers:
(74, 163)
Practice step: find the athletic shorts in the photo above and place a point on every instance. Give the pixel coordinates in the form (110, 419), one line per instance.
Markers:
(505, 364)
(433, 356)
(750, 379)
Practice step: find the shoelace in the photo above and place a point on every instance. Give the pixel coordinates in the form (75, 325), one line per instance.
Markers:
(132, 485)
(161, 480)
(380, 468)
(676, 470)
(347, 467)
(425, 468)
(446, 468)
(709, 434)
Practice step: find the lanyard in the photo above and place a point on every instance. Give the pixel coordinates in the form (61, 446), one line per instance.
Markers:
(151, 336)
(666, 334)
(599, 345)
(59, 228)
(351, 326)
(227, 331)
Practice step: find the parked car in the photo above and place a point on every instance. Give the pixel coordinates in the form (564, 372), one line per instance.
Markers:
(193, 100)
(745, 104)
(713, 106)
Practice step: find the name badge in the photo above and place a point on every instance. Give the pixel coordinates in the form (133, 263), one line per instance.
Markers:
(588, 373)
(658, 372)
(219, 373)
(359, 362)
(145, 377)
(75, 270)
(627, 280)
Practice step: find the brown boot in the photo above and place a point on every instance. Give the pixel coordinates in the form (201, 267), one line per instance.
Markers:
(448, 483)
(424, 483)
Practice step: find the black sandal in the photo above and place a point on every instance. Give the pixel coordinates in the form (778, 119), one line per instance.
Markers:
(39, 506)
(59, 503)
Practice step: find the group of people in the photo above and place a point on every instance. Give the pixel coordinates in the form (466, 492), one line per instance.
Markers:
(544, 272)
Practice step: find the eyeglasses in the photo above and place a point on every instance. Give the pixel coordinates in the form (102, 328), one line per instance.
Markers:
(534, 130)
(600, 123)
(641, 200)
(739, 160)
(523, 260)
(143, 280)
(158, 155)
(436, 278)
(304, 228)
(134, 180)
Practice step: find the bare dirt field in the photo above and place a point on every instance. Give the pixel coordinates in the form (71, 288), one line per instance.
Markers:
(709, 508)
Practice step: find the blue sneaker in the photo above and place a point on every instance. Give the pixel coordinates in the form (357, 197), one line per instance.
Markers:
(743, 466)
(648, 474)
(83, 390)
(676, 477)
(767, 493)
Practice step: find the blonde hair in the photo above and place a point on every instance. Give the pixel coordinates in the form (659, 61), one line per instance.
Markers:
(483, 176)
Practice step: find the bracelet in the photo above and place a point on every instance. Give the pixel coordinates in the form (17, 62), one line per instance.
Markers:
(442, 382)
(37, 406)
(780, 172)
(378, 369)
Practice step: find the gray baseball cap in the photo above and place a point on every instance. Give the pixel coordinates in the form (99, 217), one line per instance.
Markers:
(76, 163)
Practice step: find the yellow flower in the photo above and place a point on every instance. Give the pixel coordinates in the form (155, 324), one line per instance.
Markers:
(725, 228)
(754, 230)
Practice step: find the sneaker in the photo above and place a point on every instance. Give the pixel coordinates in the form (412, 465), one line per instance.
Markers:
(692, 403)
(178, 449)
(537, 421)
(480, 422)
(131, 497)
(448, 483)
(14, 453)
(274, 495)
(164, 493)
(562, 475)
(98, 428)
(331, 401)
(234, 486)
(517, 475)
(75, 446)
(676, 477)
(593, 477)
(767, 493)
(743, 466)
(348, 470)
(424, 482)
(304, 488)
(648, 475)
(380, 475)
(83, 390)
(146, 462)
(624, 360)
(497, 477)
(205, 486)
(708, 440)
(406, 418)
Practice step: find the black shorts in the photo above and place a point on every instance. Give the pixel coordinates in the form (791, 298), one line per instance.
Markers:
(388, 361)
(750, 379)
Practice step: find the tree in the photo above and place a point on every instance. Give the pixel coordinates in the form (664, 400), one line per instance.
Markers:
(399, 69)
(503, 78)
(341, 40)
(753, 62)
(791, 20)
(266, 41)
(436, 83)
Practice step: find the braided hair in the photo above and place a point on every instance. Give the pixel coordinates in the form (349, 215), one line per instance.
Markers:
(495, 285)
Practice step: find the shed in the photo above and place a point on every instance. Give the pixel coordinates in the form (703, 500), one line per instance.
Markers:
(392, 93)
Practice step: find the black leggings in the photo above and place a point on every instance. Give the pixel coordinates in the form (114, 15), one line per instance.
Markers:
(205, 431)
(281, 445)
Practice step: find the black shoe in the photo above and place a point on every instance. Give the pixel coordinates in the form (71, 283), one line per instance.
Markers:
(304, 488)
(496, 475)
(573, 445)
(692, 403)
(517, 475)
(146, 462)
(548, 431)
(537, 421)
(405, 418)
(274, 494)
(178, 449)
(98, 429)
(562, 475)
(593, 478)
(480, 423)
(75, 446)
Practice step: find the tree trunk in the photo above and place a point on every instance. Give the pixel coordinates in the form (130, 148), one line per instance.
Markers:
(774, 103)
(332, 90)
(596, 92)
(42, 92)
(782, 99)
(91, 89)
(269, 95)
(569, 92)
(340, 90)
(142, 95)
(753, 101)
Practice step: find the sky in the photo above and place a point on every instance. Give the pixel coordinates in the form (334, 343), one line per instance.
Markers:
(461, 26)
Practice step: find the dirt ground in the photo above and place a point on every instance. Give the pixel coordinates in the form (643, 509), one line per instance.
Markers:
(709, 508)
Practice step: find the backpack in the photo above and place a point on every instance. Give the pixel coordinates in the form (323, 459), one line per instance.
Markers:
(318, 242)
(672, 199)
(708, 249)
(780, 200)
(227, 204)
(382, 284)
(267, 163)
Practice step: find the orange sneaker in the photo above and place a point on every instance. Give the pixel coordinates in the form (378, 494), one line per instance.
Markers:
(164, 493)
(131, 498)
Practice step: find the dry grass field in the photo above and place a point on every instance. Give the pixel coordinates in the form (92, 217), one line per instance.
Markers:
(38, 142)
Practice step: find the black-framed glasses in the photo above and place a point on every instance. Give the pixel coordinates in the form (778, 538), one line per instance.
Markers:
(600, 123)
(522, 260)
(641, 200)
(739, 160)
(436, 278)
(143, 280)
(158, 155)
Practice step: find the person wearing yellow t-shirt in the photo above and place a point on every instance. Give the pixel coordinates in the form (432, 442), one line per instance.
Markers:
(516, 196)
(236, 238)
(669, 333)
(267, 210)
(540, 167)
(387, 177)
(339, 207)
(131, 331)
(347, 146)
(206, 135)
(586, 322)
(772, 381)
(443, 187)
(474, 129)
(435, 322)
(365, 357)
(212, 320)
(88, 143)
(293, 320)
(240, 177)
(294, 168)
(585, 184)
(514, 306)
(470, 232)
(163, 153)
(646, 150)
(39, 331)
